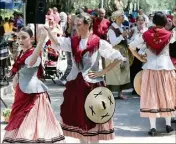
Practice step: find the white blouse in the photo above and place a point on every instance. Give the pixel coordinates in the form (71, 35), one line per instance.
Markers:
(155, 62)
(105, 50)
(37, 63)
(114, 40)
(137, 33)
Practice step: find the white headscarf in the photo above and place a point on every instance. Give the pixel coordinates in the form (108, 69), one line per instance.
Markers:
(116, 14)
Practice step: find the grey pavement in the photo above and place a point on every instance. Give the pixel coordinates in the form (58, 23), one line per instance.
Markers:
(129, 126)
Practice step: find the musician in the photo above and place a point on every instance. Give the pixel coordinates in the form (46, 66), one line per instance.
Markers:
(117, 35)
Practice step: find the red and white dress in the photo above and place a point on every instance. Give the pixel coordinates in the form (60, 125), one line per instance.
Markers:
(85, 57)
(32, 119)
(158, 95)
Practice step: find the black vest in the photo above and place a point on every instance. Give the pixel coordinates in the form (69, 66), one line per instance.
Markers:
(118, 33)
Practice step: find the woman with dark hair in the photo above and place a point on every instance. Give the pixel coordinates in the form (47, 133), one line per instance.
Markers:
(86, 50)
(32, 119)
(158, 96)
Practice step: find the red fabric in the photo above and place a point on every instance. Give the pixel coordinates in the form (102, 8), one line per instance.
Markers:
(92, 46)
(20, 61)
(156, 39)
(170, 16)
(173, 61)
(72, 109)
(23, 103)
(132, 20)
(48, 43)
(50, 63)
(89, 11)
(100, 28)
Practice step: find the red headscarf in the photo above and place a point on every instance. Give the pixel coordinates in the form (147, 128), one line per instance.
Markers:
(156, 39)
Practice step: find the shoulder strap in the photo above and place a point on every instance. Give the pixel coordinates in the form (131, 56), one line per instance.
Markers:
(117, 31)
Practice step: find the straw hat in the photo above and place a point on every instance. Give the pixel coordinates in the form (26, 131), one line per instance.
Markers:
(137, 82)
(100, 105)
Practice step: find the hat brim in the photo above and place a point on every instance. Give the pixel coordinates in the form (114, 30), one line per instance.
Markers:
(138, 82)
(100, 105)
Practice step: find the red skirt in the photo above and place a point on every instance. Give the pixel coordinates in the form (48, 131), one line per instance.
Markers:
(23, 103)
(32, 120)
(72, 109)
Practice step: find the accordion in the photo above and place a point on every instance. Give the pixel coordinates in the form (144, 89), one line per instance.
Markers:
(172, 50)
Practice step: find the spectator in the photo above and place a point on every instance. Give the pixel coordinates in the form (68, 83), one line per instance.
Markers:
(56, 15)
(141, 12)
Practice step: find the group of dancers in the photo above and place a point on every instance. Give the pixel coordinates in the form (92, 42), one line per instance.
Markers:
(32, 118)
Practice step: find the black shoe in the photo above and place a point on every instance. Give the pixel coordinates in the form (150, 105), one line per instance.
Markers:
(152, 132)
(173, 120)
(169, 129)
(134, 92)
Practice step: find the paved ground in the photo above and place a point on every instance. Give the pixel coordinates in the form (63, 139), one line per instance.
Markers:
(129, 127)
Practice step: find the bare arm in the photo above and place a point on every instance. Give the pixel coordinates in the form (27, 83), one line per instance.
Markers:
(52, 37)
(36, 52)
(110, 66)
(105, 70)
(139, 57)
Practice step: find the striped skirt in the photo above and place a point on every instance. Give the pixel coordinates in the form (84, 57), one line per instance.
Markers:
(74, 120)
(158, 93)
(32, 120)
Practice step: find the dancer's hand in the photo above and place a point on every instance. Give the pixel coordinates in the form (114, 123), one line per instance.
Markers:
(96, 74)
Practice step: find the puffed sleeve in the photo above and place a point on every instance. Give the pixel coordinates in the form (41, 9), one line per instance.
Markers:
(136, 42)
(37, 63)
(64, 44)
(106, 51)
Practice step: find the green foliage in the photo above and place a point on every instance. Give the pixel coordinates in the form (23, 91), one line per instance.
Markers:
(71, 5)
(150, 5)
(6, 112)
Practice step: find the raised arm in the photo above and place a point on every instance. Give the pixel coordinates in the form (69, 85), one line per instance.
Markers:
(40, 44)
(52, 37)
(58, 43)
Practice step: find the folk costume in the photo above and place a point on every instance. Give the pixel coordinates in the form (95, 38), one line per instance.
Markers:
(158, 97)
(85, 58)
(137, 64)
(32, 119)
(118, 76)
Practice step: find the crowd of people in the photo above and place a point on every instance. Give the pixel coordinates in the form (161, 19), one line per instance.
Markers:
(122, 44)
